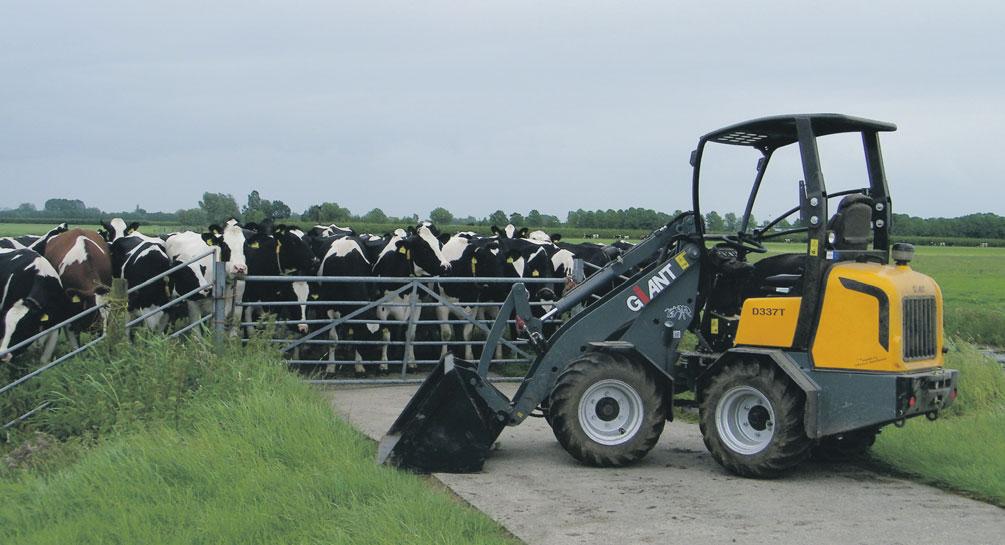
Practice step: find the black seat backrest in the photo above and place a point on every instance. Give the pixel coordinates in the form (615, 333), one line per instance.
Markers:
(852, 223)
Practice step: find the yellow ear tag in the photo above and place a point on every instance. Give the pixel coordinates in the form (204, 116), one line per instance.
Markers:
(402, 250)
(474, 265)
(45, 318)
(254, 245)
(509, 260)
(535, 273)
(209, 242)
(75, 299)
(315, 296)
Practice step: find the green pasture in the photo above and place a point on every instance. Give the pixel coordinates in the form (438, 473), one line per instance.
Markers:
(173, 442)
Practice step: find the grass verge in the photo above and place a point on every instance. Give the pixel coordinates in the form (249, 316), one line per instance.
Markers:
(165, 442)
(964, 450)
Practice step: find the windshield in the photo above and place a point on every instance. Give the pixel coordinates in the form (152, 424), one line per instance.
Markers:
(728, 174)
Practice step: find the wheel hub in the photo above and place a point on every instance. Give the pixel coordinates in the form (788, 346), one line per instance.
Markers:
(611, 412)
(608, 409)
(745, 420)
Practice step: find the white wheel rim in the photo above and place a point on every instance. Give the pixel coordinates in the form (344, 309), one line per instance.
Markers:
(610, 412)
(745, 420)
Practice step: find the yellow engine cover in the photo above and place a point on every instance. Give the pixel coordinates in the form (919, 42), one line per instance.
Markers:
(862, 320)
(768, 321)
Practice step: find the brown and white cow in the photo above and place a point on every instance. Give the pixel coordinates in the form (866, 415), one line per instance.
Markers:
(83, 260)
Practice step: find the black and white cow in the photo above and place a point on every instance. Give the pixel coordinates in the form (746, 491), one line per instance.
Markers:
(32, 299)
(187, 246)
(138, 258)
(346, 257)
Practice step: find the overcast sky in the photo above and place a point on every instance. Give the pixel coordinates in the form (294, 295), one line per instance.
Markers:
(482, 105)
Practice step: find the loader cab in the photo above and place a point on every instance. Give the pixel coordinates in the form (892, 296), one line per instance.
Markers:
(823, 227)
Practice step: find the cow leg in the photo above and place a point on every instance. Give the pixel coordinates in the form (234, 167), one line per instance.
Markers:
(50, 346)
(359, 369)
(333, 335)
(446, 330)
(385, 334)
(469, 353)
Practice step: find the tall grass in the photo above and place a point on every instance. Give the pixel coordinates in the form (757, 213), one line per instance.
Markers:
(964, 450)
(168, 442)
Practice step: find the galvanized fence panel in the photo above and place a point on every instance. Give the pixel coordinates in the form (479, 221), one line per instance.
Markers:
(422, 293)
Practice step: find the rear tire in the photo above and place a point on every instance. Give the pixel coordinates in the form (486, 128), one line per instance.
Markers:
(845, 446)
(751, 419)
(607, 410)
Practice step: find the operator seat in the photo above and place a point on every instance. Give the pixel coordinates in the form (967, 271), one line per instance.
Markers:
(851, 226)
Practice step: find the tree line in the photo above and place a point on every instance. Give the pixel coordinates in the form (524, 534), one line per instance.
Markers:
(217, 207)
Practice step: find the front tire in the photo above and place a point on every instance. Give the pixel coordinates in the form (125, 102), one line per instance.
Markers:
(607, 410)
(751, 419)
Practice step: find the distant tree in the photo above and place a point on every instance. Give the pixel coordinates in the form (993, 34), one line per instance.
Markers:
(517, 218)
(139, 211)
(498, 218)
(327, 212)
(280, 210)
(65, 207)
(730, 223)
(441, 216)
(27, 207)
(375, 216)
(714, 222)
(534, 218)
(218, 207)
(192, 217)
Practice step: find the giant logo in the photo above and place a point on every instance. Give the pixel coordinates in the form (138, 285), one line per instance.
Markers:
(657, 283)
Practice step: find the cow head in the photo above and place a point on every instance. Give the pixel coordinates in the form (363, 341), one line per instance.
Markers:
(295, 255)
(424, 242)
(117, 228)
(510, 231)
(261, 249)
(44, 306)
(395, 259)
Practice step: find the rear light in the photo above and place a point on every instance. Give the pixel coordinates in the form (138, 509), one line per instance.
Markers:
(912, 402)
(952, 395)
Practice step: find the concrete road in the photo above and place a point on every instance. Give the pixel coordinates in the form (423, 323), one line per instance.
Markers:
(678, 494)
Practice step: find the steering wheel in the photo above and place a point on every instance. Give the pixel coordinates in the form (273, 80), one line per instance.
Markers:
(741, 242)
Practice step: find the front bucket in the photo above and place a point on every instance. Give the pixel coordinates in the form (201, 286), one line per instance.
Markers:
(450, 424)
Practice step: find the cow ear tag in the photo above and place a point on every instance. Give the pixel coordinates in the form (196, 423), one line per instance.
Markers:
(403, 250)
(509, 260)
(44, 318)
(474, 263)
(75, 299)
(254, 245)
(209, 242)
(535, 273)
(315, 296)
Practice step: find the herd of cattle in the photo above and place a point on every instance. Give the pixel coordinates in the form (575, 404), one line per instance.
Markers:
(49, 278)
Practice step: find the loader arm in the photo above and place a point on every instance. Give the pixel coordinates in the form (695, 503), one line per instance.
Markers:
(456, 415)
(647, 314)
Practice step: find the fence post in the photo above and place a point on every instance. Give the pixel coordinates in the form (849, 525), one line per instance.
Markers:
(408, 356)
(219, 303)
(118, 313)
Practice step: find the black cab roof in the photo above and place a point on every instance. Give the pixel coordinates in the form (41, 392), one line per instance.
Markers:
(780, 130)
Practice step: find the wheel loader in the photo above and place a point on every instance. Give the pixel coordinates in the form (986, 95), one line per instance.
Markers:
(810, 351)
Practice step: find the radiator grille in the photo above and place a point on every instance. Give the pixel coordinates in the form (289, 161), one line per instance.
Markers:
(920, 328)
